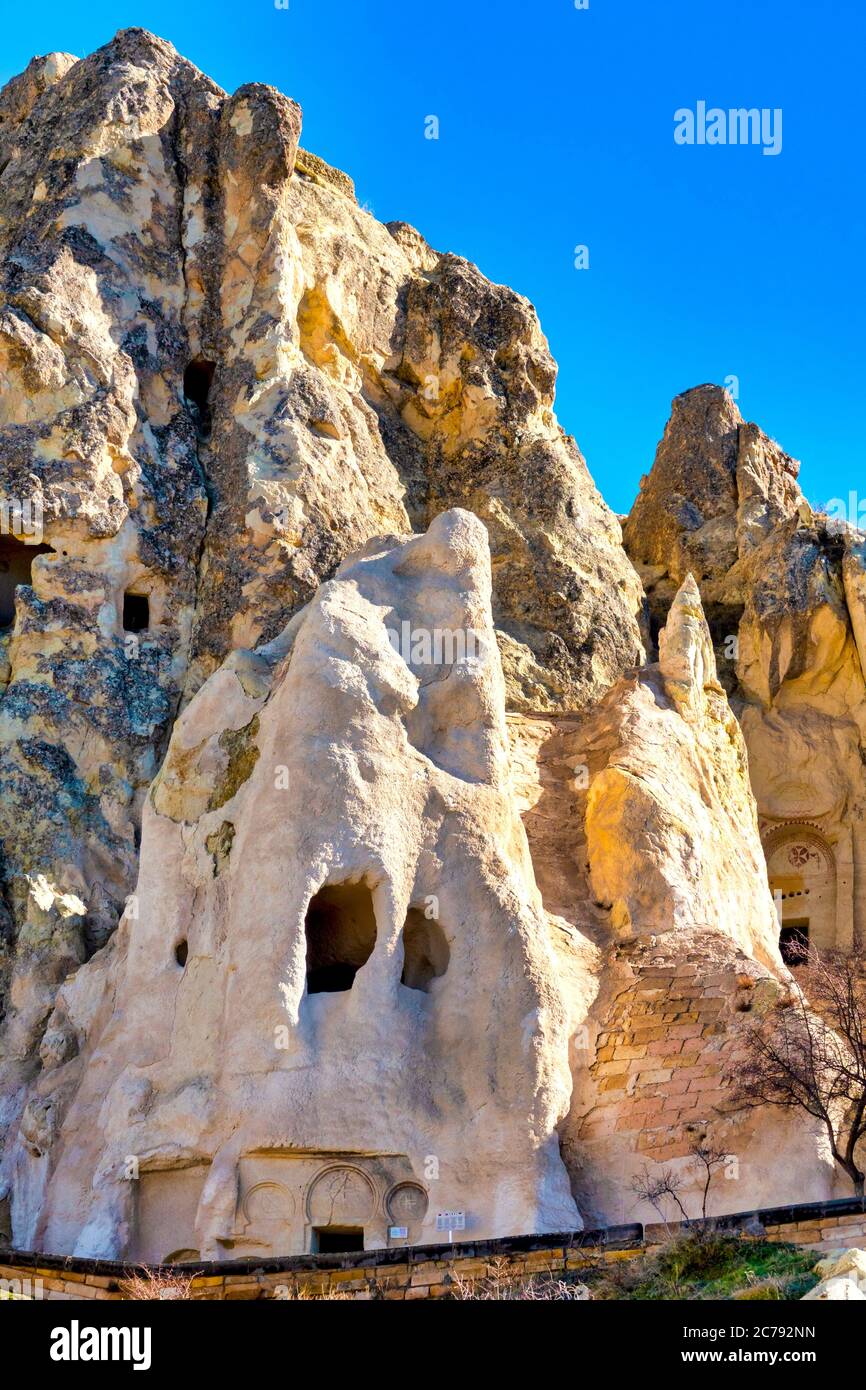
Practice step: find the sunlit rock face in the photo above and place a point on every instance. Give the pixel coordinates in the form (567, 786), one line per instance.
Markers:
(338, 1003)
(323, 657)
(218, 377)
(106, 496)
(339, 970)
(783, 588)
(644, 834)
(671, 829)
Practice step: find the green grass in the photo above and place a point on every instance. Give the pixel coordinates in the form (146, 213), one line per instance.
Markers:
(712, 1267)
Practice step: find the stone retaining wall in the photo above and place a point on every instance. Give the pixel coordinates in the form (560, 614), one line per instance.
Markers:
(431, 1271)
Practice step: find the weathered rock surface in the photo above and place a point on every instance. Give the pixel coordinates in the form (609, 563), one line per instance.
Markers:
(836, 1290)
(329, 804)
(783, 590)
(218, 377)
(672, 836)
(446, 900)
(322, 764)
(673, 894)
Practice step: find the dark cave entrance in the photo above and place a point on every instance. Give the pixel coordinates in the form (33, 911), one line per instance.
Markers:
(425, 951)
(197, 381)
(335, 1240)
(794, 942)
(16, 564)
(341, 933)
(136, 612)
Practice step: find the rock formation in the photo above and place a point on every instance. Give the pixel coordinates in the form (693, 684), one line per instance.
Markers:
(326, 674)
(219, 377)
(335, 909)
(843, 1278)
(783, 589)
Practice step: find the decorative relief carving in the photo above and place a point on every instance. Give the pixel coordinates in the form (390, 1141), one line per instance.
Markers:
(807, 848)
(341, 1195)
(799, 855)
(407, 1203)
(268, 1201)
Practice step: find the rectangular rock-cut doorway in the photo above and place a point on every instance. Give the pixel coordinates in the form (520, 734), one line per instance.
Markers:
(334, 1240)
(794, 941)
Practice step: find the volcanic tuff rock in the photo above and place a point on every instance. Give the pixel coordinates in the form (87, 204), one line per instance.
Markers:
(783, 587)
(219, 377)
(328, 803)
(362, 774)
(392, 908)
(672, 797)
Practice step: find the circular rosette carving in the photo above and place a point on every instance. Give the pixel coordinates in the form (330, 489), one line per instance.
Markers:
(341, 1196)
(407, 1203)
(798, 855)
(267, 1202)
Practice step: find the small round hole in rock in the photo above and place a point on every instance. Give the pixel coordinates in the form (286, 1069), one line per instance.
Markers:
(181, 951)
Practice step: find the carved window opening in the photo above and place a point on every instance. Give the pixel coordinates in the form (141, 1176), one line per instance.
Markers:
(794, 942)
(197, 381)
(334, 1240)
(341, 933)
(801, 868)
(425, 951)
(136, 612)
(16, 564)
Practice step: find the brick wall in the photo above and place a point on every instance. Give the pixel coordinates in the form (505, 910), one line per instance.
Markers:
(428, 1271)
(664, 1046)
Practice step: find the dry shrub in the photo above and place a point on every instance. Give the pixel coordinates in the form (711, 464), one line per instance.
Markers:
(498, 1286)
(300, 1293)
(154, 1283)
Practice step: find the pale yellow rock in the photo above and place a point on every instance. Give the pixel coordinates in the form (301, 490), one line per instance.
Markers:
(220, 376)
(835, 1291)
(672, 835)
(387, 775)
(784, 589)
(414, 812)
(845, 1262)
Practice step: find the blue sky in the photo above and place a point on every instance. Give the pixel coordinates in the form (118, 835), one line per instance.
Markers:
(556, 130)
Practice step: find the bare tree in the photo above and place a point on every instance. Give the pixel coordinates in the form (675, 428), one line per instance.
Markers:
(812, 1056)
(656, 1188)
(706, 1159)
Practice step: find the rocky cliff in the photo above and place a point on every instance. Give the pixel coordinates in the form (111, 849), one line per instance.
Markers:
(784, 590)
(328, 677)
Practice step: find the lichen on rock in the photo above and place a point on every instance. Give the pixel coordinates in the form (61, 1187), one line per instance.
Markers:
(353, 840)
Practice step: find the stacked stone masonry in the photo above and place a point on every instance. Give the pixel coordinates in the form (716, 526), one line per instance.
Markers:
(426, 1272)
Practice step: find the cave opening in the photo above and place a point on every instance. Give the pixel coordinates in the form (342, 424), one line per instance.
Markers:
(136, 612)
(16, 566)
(794, 942)
(197, 381)
(425, 951)
(341, 933)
